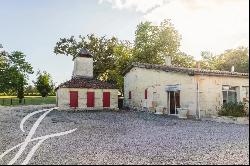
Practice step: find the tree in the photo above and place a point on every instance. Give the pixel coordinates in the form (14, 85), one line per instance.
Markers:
(209, 61)
(30, 90)
(102, 49)
(239, 58)
(44, 84)
(152, 43)
(123, 57)
(181, 59)
(110, 56)
(14, 72)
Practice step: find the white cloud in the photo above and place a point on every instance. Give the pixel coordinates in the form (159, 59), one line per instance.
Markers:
(212, 25)
(139, 5)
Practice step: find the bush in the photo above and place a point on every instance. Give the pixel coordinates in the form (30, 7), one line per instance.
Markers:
(232, 109)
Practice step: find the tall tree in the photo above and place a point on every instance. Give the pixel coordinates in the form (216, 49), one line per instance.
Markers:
(112, 56)
(239, 58)
(123, 57)
(152, 43)
(102, 49)
(182, 59)
(14, 72)
(44, 83)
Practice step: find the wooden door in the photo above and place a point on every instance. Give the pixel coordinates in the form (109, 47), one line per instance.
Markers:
(174, 102)
(106, 99)
(90, 99)
(73, 99)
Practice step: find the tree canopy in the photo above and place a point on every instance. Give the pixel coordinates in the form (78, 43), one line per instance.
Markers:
(44, 83)
(151, 44)
(239, 58)
(14, 70)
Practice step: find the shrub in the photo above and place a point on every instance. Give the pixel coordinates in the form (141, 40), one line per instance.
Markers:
(232, 109)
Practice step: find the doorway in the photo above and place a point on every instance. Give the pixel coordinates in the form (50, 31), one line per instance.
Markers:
(174, 102)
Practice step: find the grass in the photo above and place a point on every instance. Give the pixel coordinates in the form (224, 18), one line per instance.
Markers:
(28, 100)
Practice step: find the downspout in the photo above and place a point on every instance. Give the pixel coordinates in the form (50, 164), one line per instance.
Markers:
(198, 90)
(198, 99)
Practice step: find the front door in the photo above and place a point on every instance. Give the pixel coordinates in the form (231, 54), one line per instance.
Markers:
(174, 102)
(106, 99)
(73, 99)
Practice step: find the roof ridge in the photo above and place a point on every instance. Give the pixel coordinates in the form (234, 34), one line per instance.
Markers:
(183, 69)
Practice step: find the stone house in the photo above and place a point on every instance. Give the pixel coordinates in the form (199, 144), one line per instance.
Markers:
(166, 89)
(83, 92)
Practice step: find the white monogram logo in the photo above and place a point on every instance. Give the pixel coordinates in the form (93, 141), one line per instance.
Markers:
(30, 139)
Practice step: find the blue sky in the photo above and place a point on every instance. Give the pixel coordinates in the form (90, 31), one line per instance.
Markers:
(34, 27)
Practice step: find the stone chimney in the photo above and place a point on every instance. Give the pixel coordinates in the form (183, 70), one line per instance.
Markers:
(232, 69)
(83, 65)
(168, 60)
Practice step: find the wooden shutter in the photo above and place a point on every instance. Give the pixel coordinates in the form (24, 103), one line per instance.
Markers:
(106, 99)
(90, 99)
(73, 99)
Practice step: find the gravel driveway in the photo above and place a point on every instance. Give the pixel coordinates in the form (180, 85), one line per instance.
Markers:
(125, 138)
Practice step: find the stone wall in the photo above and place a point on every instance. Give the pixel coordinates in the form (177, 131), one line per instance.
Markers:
(63, 98)
(138, 79)
(210, 87)
(83, 67)
(211, 97)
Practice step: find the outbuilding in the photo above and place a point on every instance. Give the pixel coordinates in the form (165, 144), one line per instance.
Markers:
(167, 89)
(83, 92)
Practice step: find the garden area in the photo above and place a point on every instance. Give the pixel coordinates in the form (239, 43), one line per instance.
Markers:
(27, 100)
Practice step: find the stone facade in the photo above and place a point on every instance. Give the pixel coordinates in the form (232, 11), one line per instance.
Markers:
(63, 98)
(83, 66)
(206, 102)
(72, 94)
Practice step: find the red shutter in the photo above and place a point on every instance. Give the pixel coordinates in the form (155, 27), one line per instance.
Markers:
(129, 95)
(73, 99)
(90, 99)
(106, 99)
(146, 93)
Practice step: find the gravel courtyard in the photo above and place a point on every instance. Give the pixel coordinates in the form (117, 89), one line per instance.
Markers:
(125, 138)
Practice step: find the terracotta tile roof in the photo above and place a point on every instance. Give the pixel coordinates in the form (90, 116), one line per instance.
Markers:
(189, 71)
(86, 83)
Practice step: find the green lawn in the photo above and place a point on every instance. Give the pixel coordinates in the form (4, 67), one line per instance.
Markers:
(28, 100)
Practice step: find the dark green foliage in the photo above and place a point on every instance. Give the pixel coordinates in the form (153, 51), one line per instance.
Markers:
(20, 88)
(152, 42)
(239, 58)
(14, 71)
(44, 84)
(112, 56)
(232, 109)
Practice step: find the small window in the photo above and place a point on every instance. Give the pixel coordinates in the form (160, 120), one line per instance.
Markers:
(229, 94)
(146, 93)
(129, 95)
